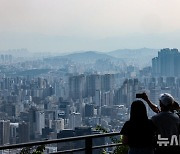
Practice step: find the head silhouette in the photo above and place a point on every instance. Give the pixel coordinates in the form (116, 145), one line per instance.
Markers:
(138, 112)
(166, 102)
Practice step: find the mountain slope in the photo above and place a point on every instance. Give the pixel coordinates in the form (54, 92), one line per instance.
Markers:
(141, 57)
(86, 57)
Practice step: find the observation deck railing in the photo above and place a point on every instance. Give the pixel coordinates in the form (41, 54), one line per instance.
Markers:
(88, 148)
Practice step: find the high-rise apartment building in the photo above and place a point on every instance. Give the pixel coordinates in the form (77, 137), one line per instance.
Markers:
(107, 82)
(93, 83)
(40, 121)
(4, 132)
(127, 93)
(75, 120)
(77, 87)
(24, 132)
(98, 98)
(167, 63)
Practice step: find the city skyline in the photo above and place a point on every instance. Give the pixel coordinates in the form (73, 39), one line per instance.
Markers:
(64, 96)
(71, 68)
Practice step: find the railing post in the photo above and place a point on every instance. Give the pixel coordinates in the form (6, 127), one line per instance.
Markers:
(88, 145)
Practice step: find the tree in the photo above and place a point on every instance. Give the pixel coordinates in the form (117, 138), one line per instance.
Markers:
(122, 149)
(32, 150)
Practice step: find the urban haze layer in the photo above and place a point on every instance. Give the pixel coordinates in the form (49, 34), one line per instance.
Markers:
(49, 96)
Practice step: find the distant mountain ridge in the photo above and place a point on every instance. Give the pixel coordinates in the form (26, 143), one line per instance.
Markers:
(141, 57)
(120, 52)
(137, 57)
(91, 55)
(87, 56)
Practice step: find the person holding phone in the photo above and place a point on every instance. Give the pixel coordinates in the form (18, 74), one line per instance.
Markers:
(174, 107)
(166, 121)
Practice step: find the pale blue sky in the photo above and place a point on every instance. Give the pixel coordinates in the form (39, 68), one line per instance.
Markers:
(69, 25)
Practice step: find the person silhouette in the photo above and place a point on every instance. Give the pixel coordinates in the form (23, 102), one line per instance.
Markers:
(139, 131)
(166, 121)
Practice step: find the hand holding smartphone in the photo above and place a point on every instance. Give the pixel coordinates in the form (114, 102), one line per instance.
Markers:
(139, 95)
(142, 96)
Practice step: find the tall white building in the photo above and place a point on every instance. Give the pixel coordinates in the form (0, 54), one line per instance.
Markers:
(59, 125)
(13, 132)
(98, 97)
(40, 121)
(75, 120)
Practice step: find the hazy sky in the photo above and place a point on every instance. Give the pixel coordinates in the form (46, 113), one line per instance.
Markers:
(65, 25)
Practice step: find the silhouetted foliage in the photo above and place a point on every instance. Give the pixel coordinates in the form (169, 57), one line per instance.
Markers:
(122, 149)
(32, 150)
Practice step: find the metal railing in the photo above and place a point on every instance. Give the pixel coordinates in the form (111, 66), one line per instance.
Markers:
(88, 143)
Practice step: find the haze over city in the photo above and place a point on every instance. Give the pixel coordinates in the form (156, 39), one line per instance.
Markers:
(76, 25)
(71, 68)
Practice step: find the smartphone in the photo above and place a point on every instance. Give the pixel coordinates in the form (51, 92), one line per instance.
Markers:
(139, 95)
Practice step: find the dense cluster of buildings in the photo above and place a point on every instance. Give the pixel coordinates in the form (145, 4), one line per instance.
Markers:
(64, 104)
(36, 107)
